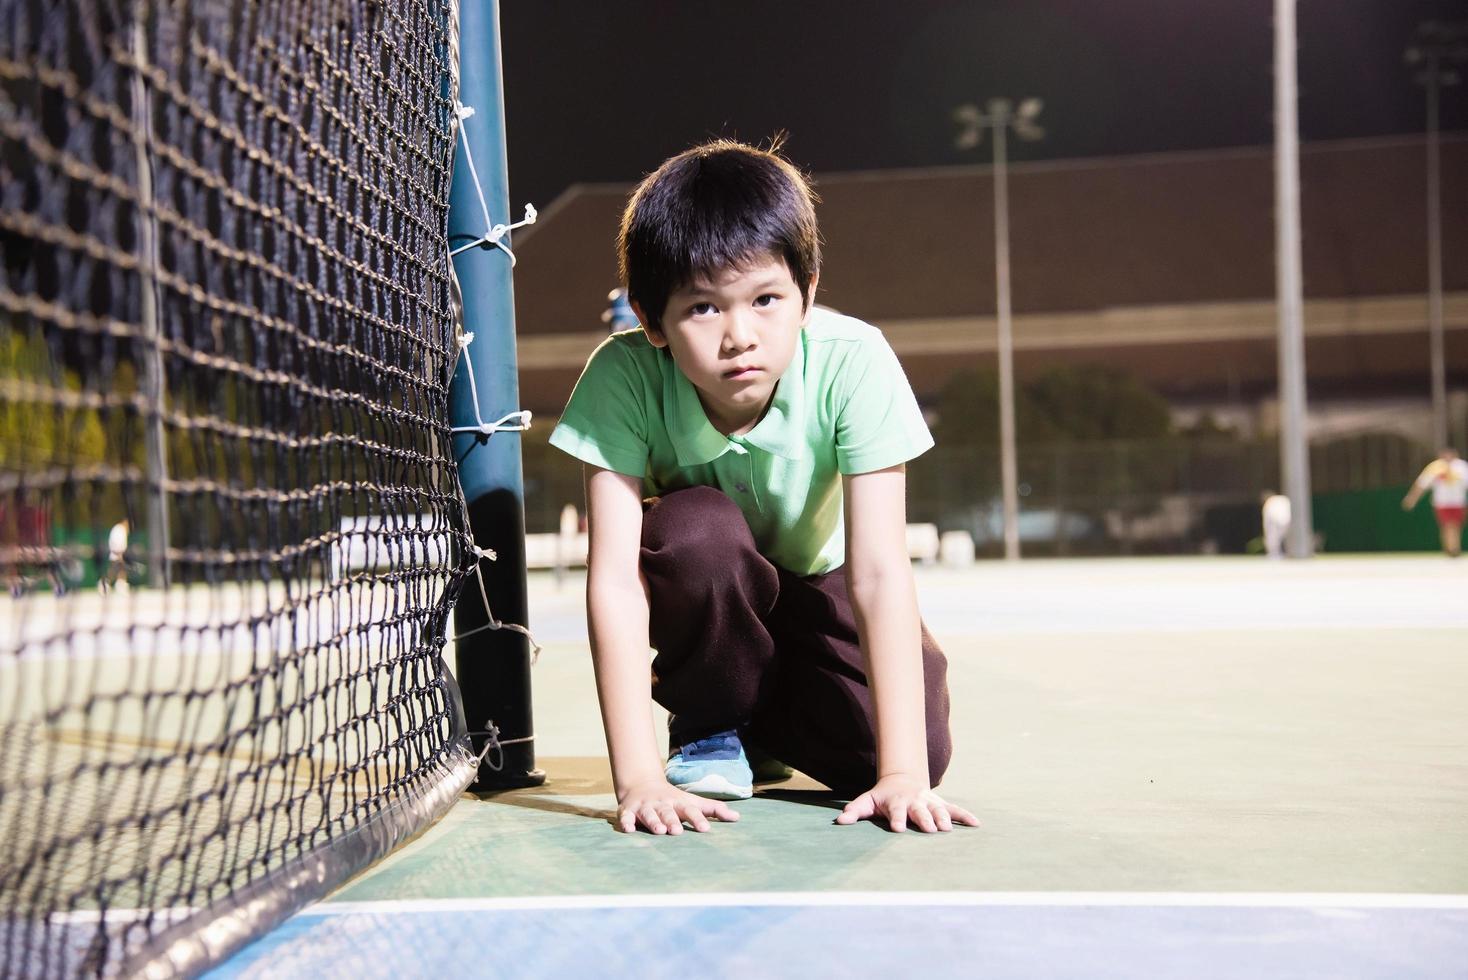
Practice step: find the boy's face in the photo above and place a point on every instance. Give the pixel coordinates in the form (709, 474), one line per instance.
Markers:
(733, 337)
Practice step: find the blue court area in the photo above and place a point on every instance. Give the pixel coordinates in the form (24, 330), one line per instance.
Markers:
(908, 935)
(1185, 767)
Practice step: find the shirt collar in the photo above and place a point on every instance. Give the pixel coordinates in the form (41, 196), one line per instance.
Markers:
(782, 431)
(695, 440)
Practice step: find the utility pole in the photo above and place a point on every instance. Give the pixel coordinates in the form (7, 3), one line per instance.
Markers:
(1001, 115)
(1438, 47)
(1294, 446)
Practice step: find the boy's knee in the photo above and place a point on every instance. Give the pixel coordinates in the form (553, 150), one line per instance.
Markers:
(696, 544)
(694, 518)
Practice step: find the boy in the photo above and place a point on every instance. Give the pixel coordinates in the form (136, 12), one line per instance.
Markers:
(759, 426)
(1447, 477)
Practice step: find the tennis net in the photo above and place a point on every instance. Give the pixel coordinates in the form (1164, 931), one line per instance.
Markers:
(231, 527)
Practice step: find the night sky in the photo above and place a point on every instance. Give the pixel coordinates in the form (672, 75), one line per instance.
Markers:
(603, 91)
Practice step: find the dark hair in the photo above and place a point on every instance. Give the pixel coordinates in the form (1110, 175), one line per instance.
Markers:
(716, 206)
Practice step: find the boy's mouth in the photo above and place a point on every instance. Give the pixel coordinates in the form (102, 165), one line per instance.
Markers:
(741, 373)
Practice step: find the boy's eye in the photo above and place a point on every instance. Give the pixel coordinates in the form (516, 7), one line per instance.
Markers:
(767, 299)
(701, 309)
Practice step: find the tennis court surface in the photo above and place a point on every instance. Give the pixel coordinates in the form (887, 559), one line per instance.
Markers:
(1185, 767)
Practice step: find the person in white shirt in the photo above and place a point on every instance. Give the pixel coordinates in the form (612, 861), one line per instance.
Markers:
(116, 557)
(1447, 478)
(1276, 518)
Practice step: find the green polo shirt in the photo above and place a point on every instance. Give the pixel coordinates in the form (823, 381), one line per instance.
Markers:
(843, 407)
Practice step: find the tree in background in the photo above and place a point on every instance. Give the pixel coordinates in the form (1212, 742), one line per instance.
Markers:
(36, 433)
(45, 427)
(1074, 425)
(1064, 404)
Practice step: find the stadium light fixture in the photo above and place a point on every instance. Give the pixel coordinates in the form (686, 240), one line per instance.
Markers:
(1001, 115)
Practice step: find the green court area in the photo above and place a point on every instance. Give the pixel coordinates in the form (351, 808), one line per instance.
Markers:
(1150, 725)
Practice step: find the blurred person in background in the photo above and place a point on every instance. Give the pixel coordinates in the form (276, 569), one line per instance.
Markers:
(1276, 516)
(116, 558)
(619, 314)
(1447, 478)
(566, 550)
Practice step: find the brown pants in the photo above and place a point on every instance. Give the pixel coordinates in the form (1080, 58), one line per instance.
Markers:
(743, 644)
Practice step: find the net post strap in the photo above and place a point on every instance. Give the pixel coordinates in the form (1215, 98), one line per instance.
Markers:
(492, 754)
(518, 421)
(494, 623)
(494, 237)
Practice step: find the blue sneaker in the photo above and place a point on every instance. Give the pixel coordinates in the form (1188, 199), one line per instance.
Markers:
(714, 767)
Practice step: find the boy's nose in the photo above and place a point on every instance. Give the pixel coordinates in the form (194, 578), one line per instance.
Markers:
(739, 334)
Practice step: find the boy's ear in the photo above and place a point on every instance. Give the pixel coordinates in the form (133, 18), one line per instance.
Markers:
(654, 336)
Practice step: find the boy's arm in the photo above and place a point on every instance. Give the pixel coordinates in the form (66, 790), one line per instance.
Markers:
(617, 614)
(884, 597)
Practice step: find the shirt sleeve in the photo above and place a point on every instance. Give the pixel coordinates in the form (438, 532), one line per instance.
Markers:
(605, 422)
(1429, 475)
(878, 423)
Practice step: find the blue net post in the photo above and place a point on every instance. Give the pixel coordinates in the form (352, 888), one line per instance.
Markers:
(492, 666)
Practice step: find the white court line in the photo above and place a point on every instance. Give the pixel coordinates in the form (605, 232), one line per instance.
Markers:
(1306, 900)
(941, 627)
(1263, 900)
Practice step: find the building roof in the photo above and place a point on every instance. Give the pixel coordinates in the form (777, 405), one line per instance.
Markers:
(913, 250)
(1085, 234)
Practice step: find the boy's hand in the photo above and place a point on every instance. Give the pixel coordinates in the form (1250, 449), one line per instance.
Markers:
(662, 808)
(903, 800)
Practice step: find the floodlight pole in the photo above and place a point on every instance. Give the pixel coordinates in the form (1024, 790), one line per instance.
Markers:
(1435, 266)
(1000, 116)
(154, 377)
(1436, 44)
(1293, 443)
(1008, 465)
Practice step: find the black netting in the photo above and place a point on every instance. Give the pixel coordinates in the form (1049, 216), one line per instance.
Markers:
(230, 523)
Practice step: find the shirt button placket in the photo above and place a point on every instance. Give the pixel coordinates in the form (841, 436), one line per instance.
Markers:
(741, 486)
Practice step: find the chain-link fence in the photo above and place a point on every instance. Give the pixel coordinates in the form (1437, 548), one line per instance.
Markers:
(1175, 495)
(1172, 495)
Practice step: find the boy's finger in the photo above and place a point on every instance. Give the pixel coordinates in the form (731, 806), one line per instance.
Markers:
(858, 809)
(627, 821)
(720, 810)
(670, 818)
(923, 817)
(963, 816)
(897, 817)
(945, 822)
(649, 818)
(695, 818)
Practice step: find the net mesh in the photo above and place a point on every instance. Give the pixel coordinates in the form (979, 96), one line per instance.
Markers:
(230, 523)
